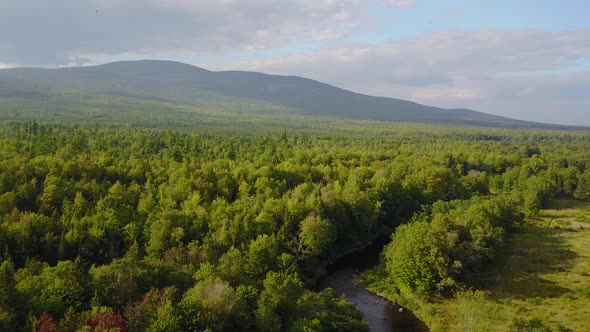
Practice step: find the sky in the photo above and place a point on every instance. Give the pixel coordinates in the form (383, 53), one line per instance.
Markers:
(523, 59)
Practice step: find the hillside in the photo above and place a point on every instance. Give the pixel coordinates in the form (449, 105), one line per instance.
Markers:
(181, 92)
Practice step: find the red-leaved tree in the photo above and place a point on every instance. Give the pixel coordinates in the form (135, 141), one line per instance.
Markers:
(106, 321)
(48, 323)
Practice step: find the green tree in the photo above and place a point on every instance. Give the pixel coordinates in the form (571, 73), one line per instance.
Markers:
(315, 235)
(277, 303)
(9, 302)
(261, 256)
(408, 258)
(155, 312)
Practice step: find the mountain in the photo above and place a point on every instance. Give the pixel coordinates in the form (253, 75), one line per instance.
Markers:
(167, 88)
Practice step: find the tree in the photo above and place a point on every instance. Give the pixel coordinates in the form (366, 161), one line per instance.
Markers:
(232, 266)
(315, 235)
(155, 312)
(261, 256)
(211, 304)
(117, 284)
(47, 323)
(106, 321)
(409, 258)
(8, 295)
(325, 311)
(277, 303)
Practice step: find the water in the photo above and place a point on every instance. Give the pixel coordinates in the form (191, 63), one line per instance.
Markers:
(380, 314)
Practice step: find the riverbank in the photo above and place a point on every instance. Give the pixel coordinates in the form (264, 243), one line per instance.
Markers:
(375, 281)
(539, 280)
(367, 253)
(381, 315)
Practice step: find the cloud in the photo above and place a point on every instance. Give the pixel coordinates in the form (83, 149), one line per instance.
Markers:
(435, 58)
(404, 4)
(513, 70)
(54, 32)
(454, 13)
(456, 69)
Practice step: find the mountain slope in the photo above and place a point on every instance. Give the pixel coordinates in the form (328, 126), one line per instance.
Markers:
(164, 86)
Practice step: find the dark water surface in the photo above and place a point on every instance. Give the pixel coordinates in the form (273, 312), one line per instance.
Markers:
(380, 314)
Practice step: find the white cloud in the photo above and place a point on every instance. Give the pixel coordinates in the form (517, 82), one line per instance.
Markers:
(404, 4)
(454, 13)
(434, 58)
(457, 69)
(493, 70)
(53, 32)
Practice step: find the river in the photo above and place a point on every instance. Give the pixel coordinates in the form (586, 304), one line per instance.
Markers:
(380, 314)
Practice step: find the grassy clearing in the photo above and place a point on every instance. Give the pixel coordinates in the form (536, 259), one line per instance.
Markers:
(540, 281)
(546, 274)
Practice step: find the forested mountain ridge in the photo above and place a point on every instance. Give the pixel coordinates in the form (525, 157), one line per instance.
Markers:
(173, 88)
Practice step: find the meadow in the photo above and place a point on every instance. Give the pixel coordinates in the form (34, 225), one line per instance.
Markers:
(539, 280)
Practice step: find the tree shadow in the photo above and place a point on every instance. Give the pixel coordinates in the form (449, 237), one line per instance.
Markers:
(519, 266)
(558, 204)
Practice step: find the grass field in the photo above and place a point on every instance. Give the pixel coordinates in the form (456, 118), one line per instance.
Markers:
(539, 282)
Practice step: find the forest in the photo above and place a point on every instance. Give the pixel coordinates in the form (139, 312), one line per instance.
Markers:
(113, 228)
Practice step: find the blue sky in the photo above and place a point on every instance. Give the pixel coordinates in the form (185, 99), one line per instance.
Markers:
(523, 59)
(394, 22)
(436, 15)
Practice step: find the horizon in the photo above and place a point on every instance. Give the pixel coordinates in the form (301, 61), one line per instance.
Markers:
(280, 75)
(528, 61)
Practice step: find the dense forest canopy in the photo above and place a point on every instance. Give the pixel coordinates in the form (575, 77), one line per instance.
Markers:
(106, 228)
